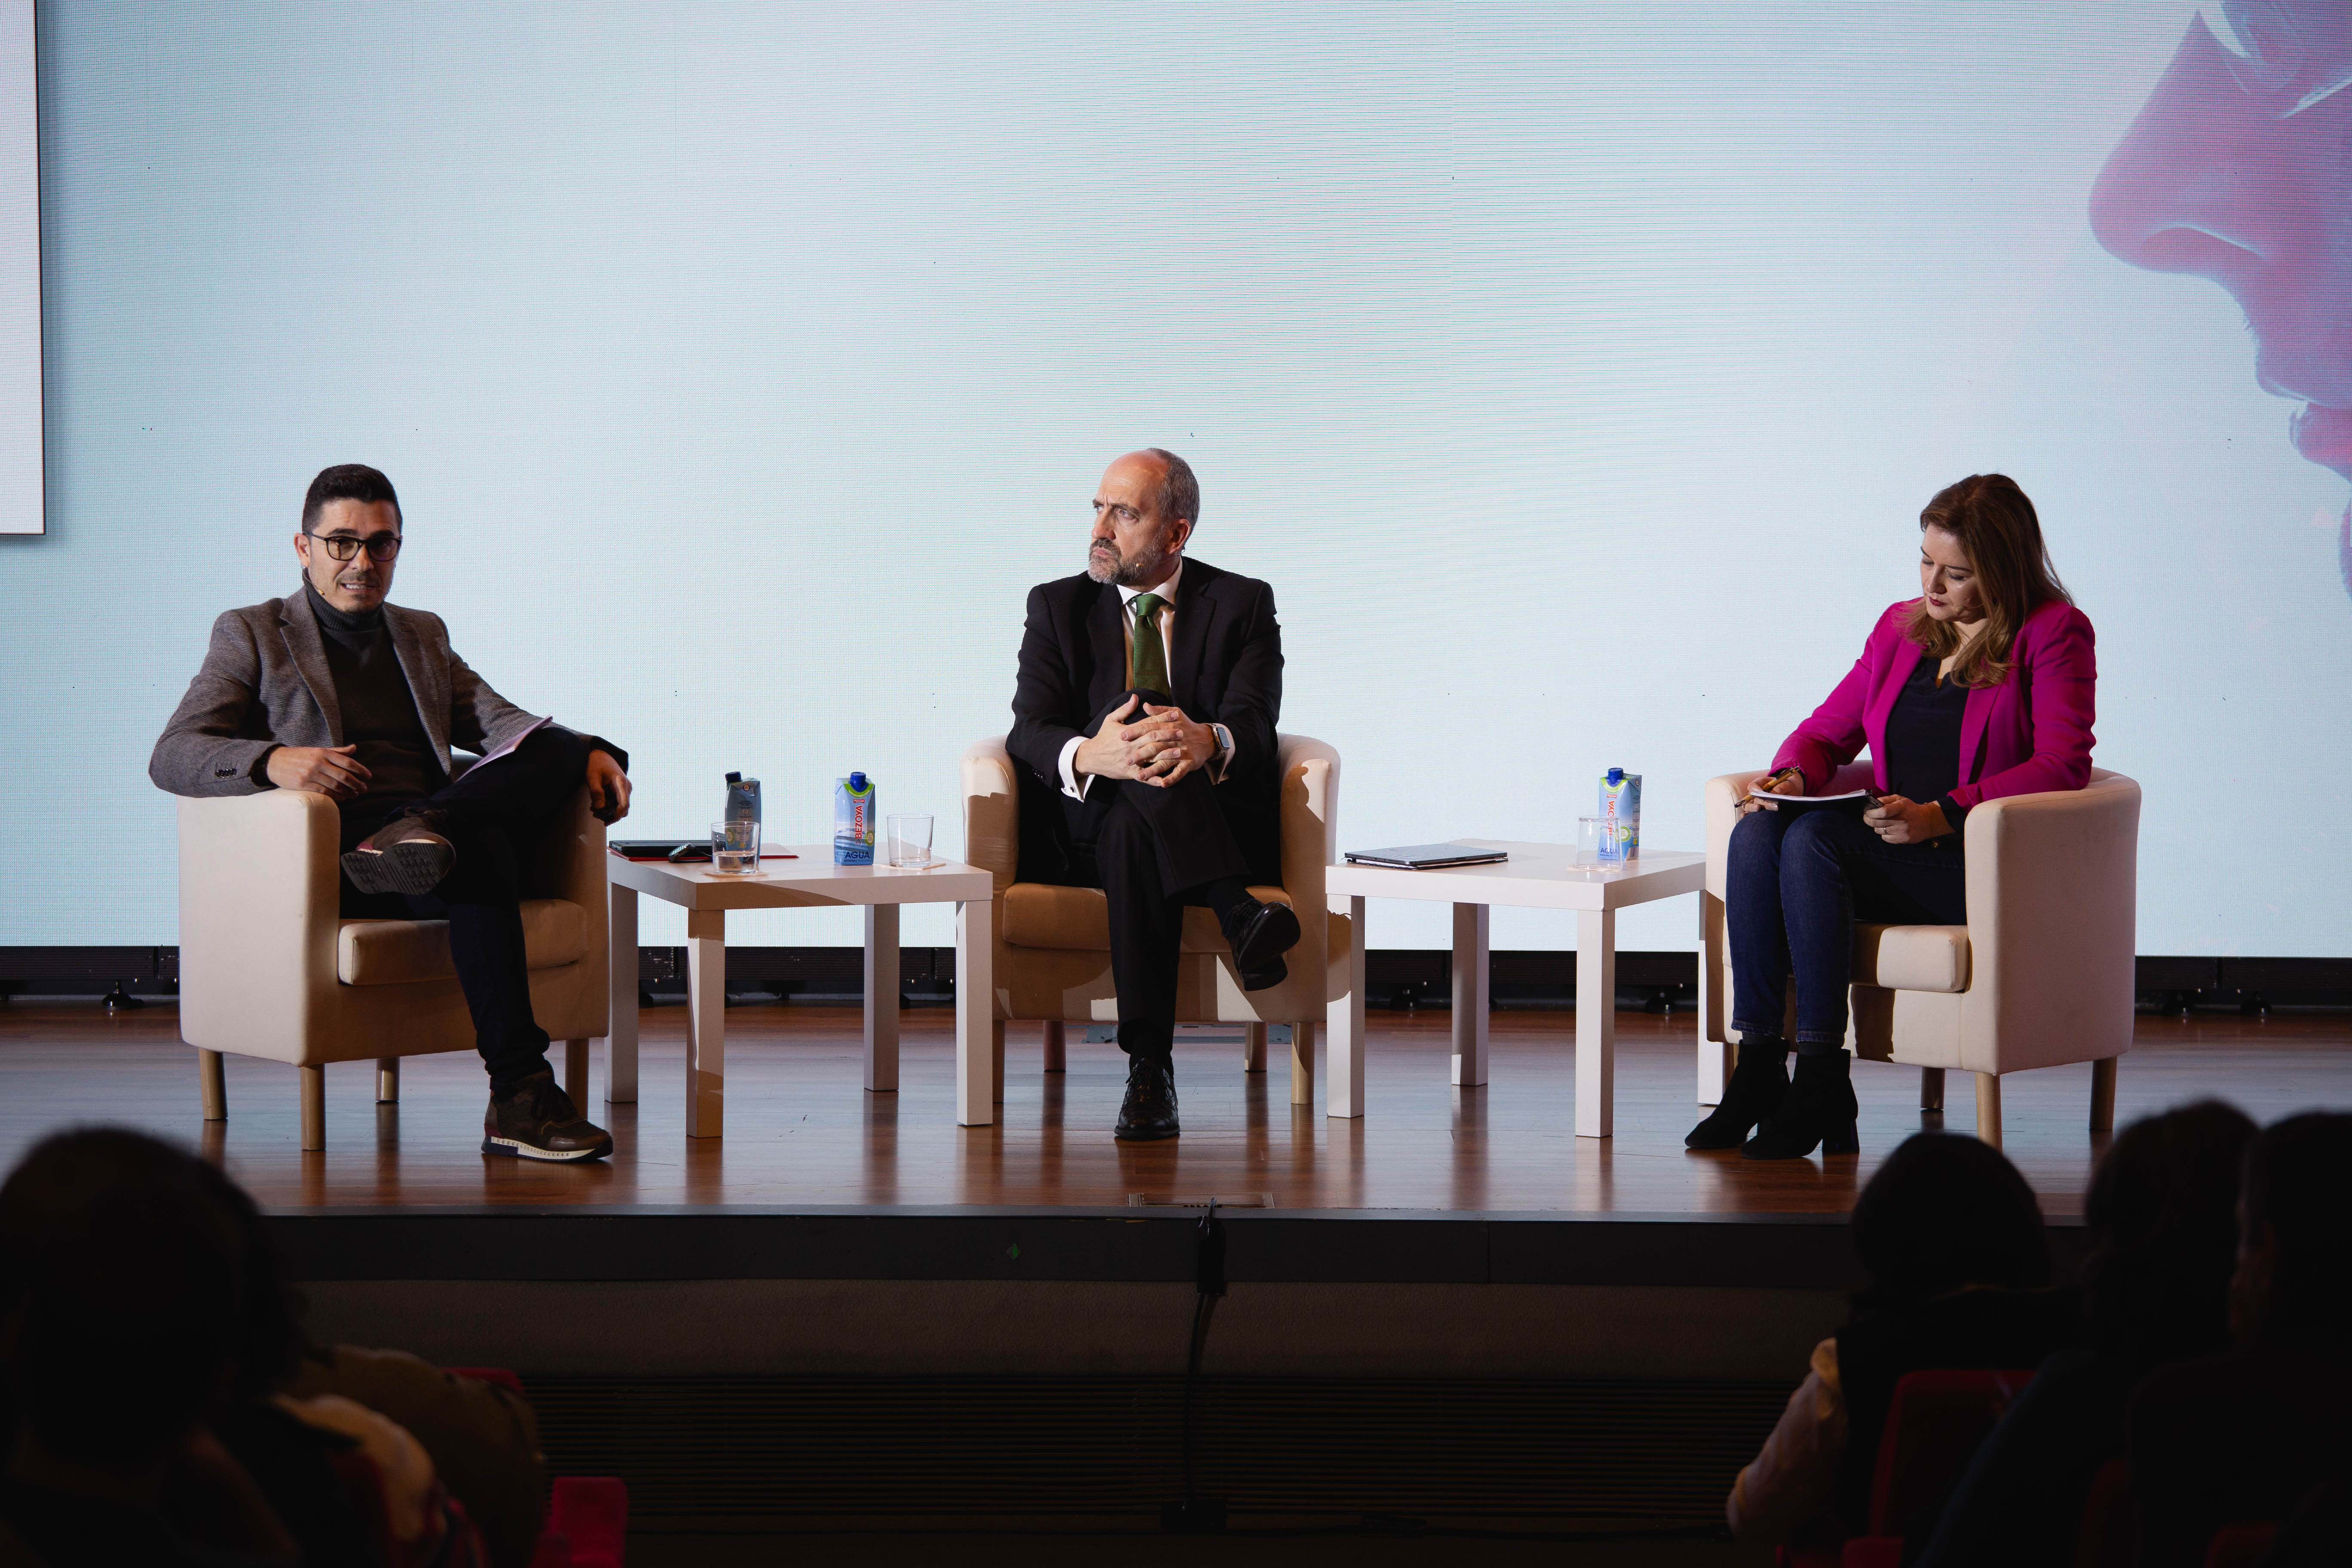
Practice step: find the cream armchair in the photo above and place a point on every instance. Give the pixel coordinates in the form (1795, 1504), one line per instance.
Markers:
(269, 968)
(1053, 944)
(2041, 975)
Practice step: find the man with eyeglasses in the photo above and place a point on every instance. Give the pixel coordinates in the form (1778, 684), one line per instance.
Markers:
(334, 690)
(1143, 732)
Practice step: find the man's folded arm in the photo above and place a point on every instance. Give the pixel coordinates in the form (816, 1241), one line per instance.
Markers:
(1253, 700)
(205, 750)
(1042, 698)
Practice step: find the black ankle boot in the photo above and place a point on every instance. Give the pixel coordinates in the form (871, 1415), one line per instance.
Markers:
(1817, 1110)
(1757, 1086)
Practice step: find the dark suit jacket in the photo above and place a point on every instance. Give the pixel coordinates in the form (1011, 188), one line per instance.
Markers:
(1225, 666)
(265, 682)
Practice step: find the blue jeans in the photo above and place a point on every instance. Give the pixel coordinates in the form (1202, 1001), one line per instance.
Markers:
(1796, 883)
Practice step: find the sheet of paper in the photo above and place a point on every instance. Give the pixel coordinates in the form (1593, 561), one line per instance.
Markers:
(495, 753)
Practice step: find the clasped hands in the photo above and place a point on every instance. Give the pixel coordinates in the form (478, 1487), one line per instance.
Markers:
(336, 772)
(1158, 749)
(1893, 819)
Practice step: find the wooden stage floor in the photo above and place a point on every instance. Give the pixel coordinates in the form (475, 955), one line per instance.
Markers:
(802, 1132)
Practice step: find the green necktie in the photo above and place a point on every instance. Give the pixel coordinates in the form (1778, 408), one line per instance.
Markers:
(1147, 663)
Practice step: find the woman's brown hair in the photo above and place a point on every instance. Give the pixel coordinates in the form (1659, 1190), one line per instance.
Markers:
(1997, 527)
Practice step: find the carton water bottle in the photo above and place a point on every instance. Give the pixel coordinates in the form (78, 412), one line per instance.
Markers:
(1621, 810)
(853, 820)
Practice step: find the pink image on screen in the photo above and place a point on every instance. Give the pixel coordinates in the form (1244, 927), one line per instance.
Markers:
(2238, 169)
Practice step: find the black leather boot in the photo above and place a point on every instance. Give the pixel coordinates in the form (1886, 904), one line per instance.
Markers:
(1757, 1083)
(1149, 1111)
(1818, 1110)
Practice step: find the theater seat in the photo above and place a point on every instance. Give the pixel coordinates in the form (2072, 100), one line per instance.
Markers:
(268, 967)
(1933, 1427)
(2041, 976)
(1053, 944)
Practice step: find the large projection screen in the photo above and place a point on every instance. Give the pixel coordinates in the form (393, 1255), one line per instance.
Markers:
(22, 507)
(1575, 373)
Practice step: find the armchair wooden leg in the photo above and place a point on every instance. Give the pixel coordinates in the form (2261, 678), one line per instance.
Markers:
(314, 1107)
(1058, 1050)
(2102, 1095)
(575, 1071)
(387, 1080)
(212, 1083)
(996, 1060)
(1302, 1063)
(1931, 1089)
(1253, 1047)
(1989, 1108)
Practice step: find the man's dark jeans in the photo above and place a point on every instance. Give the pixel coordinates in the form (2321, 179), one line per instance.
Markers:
(497, 815)
(1796, 884)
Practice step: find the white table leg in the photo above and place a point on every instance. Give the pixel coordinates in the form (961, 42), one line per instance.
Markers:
(975, 1014)
(1344, 1022)
(1596, 1022)
(1714, 1056)
(705, 1022)
(882, 998)
(621, 1042)
(1470, 923)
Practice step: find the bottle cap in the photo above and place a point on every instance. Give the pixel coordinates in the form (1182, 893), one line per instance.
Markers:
(856, 783)
(734, 778)
(1616, 775)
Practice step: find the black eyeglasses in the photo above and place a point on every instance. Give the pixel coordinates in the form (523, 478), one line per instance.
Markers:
(380, 547)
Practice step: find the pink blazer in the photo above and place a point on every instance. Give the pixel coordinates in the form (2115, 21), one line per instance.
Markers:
(2029, 733)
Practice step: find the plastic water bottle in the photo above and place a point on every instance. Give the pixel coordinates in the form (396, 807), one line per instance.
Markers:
(742, 799)
(853, 820)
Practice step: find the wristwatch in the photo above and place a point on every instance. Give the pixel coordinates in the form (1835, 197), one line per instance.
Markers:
(1224, 740)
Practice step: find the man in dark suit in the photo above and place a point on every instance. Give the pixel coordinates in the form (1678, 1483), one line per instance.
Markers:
(1144, 724)
(334, 690)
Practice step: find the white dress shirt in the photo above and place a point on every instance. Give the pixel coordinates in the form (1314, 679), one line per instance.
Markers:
(1075, 786)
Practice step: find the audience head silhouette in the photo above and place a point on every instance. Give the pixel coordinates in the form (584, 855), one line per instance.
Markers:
(2294, 1279)
(2162, 1214)
(1945, 1212)
(139, 1295)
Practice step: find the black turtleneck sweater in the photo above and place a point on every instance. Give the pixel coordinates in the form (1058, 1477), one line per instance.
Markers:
(379, 711)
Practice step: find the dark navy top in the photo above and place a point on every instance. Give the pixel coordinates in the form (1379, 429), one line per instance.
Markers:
(1923, 741)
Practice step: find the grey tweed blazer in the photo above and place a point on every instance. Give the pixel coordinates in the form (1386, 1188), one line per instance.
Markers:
(265, 682)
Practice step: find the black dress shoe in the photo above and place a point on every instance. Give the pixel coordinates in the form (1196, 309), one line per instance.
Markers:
(409, 856)
(536, 1120)
(1758, 1085)
(1149, 1111)
(1817, 1110)
(1259, 936)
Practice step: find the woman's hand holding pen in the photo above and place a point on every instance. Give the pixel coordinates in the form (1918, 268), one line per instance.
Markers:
(1900, 821)
(1788, 781)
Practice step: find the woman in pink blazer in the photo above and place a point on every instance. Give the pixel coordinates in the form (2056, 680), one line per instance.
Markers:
(1982, 687)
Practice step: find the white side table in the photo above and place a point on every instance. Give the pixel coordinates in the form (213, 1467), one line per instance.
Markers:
(811, 880)
(1538, 877)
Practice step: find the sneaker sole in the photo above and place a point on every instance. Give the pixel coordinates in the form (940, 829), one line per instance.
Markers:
(516, 1149)
(412, 868)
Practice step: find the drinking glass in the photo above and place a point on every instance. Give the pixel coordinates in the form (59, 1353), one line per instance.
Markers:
(911, 841)
(1600, 841)
(735, 847)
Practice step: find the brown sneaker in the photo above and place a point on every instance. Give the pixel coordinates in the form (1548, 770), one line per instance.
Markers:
(402, 857)
(539, 1121)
